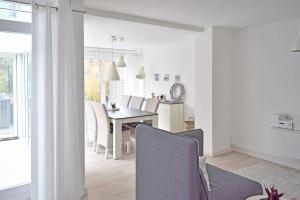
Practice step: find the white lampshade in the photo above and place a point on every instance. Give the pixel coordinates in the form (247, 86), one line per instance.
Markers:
(112, 73)
(121, 62)
(141, 74)
(296, 46)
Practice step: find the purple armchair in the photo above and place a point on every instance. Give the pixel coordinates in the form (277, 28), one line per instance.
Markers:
(167, 168)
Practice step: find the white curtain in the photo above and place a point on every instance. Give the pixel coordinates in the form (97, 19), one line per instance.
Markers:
(57, 103)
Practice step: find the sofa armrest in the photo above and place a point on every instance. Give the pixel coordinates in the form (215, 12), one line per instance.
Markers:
(197, 135)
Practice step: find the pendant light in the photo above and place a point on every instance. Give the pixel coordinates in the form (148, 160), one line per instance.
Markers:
(141, 74)
(296, 46)
(121, 62)
(112, 72)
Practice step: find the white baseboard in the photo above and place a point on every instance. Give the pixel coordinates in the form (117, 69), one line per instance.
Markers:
(218, 153)
(207, 153)
(224, 151)
(289, 162)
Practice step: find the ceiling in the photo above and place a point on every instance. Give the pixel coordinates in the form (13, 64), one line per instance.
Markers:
(226, 13)
(97, 32)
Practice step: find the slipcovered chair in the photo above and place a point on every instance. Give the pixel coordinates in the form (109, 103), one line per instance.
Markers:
(167, 168)
(125, 100)
(151, 105)
(104, 130)
(90, 125)
(136, 102)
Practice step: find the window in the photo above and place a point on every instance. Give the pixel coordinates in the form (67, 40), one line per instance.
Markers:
(6, 96)
(92, 89)
(95, 63)
(15, 11)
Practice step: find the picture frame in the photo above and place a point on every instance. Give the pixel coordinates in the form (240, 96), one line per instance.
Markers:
(177, 78)
(166, 77)
(156, 77)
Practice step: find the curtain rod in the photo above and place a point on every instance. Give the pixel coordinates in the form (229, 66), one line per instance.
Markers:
(56, 8)
(36, 5)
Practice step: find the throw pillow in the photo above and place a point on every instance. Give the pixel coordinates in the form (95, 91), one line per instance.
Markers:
(202, 166)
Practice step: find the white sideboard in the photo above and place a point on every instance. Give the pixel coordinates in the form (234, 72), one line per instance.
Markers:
(170, 116)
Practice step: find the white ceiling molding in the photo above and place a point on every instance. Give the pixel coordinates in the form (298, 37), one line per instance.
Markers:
(144, 20)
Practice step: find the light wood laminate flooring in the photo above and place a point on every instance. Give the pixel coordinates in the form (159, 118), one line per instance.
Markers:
(115, 179)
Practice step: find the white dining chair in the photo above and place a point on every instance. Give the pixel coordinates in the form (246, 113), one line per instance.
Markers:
(136, 102)
(125, 100)
(104, 130)
(151, 105)
(90, 125)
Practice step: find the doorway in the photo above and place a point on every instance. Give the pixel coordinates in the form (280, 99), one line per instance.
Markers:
(15, 97)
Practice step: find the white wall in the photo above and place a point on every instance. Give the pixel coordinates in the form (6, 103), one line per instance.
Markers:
(222, 89)
(214, 88)
(176, 58)
(242, 78)
(266, 80)
(203, 86)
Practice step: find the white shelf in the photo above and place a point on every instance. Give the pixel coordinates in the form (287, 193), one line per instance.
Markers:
(284, 130)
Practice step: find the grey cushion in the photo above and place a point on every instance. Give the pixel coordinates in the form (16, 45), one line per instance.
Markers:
(229, 186)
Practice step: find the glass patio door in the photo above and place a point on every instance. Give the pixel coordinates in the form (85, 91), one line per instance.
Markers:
(15, 96)
(7, 97)
(15, 99)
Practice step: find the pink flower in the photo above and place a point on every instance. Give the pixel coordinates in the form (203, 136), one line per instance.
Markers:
(273, 193)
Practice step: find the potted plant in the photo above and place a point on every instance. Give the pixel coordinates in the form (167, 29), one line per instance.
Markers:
(113, 105)
(273, 193)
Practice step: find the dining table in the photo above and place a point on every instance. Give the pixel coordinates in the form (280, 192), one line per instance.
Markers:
(125, 115)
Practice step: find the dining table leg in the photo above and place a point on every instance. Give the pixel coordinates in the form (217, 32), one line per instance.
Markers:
(117, 139)
(155, 121)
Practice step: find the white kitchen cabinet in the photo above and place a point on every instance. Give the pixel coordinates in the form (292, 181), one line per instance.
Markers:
(170, 116)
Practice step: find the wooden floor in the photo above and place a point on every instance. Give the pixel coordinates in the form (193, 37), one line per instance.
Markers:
(108, 179)
(14, 163)
(115, 179)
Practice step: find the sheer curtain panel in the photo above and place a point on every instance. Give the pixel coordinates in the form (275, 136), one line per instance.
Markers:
(57, 103)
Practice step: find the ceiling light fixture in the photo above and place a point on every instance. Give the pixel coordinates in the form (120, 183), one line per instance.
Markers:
(121, 62)
(141, 74)
(112, 72)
